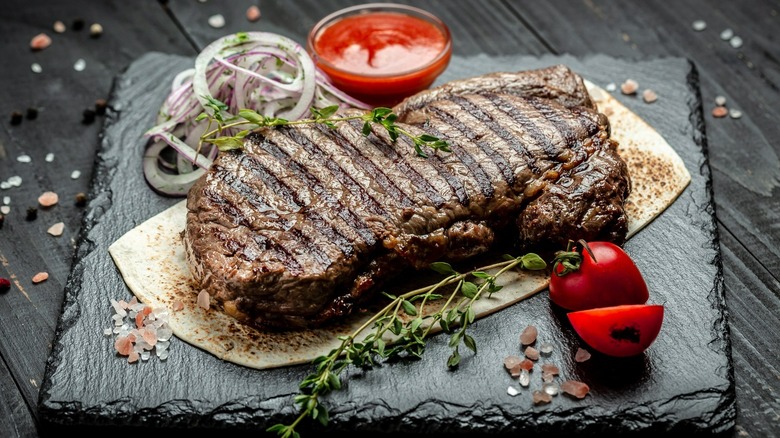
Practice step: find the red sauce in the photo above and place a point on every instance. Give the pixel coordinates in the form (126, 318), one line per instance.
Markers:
(381, 57)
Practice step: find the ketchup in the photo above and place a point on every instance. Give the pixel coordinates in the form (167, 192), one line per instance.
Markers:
(380, 57)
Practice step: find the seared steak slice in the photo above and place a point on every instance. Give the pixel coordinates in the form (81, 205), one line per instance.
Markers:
(304, 223)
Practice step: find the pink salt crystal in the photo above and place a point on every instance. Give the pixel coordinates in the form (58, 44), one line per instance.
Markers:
(150, 337)
(139, 320)
(203, 299)
(531, 353)
(649, 96)
(253, 13)
(581, 355)
(133, 301)
(123, 345)
(516, 370)
(40, 277)
(122, 304)
(178, 305)
(528, 336)
(629, 86)
(133, 357)
(47, 199)
(575, 388)
(56, 229)
(40, 41)
(527, 365)
(511, 361)
(541, 397)
(549, 368)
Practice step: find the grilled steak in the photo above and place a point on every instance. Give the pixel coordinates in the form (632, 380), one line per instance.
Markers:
(302, 225)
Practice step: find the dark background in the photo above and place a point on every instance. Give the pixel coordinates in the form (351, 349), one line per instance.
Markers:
(743, 153)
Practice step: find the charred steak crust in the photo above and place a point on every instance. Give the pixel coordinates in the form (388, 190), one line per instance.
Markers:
(306, 222)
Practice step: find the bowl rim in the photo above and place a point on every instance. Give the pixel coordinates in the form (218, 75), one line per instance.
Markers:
(446, 51)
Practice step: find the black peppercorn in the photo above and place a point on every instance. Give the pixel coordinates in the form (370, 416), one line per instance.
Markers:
(16, 118)
(32, 113)
(32, 213)
(78, 24)
(88, 116)
(81, 199)
(100, 106)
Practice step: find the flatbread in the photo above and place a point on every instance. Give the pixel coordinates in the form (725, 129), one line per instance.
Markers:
(151, 260)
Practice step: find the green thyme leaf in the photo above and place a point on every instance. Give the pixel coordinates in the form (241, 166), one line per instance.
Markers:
(443, 268)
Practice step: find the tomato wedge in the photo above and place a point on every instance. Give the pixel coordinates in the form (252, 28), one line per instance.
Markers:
(619, 331)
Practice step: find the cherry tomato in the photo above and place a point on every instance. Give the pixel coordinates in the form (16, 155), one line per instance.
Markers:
(620, 331)
(611, 279)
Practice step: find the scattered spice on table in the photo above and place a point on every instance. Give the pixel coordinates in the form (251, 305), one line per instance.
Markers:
(2, 220)
(5, 284)
(100, 106)
(16, 117)
(32, 213)
(140, 330)
(720, 111)
(528, 335)
(48, 199)
(32, 113)
(253, 13)
(649, 96)
(40, 41)
(78, 24)
(81, 199)
(56, 229)
(40, 277)
(630, 86)
(59, 26)
(87, 116)
(95, 30)
(581, 355)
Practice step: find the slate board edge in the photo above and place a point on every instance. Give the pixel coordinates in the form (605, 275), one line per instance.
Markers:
(101, 203)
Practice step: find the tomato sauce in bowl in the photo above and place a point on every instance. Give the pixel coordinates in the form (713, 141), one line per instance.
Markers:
(381, 53)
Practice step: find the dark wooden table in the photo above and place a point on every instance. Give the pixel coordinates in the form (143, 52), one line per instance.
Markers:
(743, 152)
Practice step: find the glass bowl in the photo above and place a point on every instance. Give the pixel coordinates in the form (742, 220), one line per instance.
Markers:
(380, 53)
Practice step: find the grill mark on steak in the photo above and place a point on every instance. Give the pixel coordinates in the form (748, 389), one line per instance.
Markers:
(483, 180)
(420, 183)
(435, 160)
(231, 210)
(528, 125)
(311, 181)
(332, 165)
(570, 128)
(324, 227)
(368, 165)
(254, 199)
(485, 118)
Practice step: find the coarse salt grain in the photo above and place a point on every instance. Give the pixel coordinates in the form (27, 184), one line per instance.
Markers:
(546, 348)
(15, 181)
(726, 34)
(629, 86)
(6, 200)
(40, 41)
(581, 355)
(253, 13)
(720, 100)
(512, 391)
(49, 157)
(47, 199)
(550, 388)
(720, 111)
(56, 229)
(40, 277)
(59, 26)
(649, 96)
(217, 21)
(511, 362)
(524, 378)
(528, 335)
(699, 25)
(80, 65)
(5, 209)
(75, 174)
(541, 397)
(575, 388)
(24, 158)
(178, 305)
(36, 68)
(611, 87)
(736, 42)
(735, 113)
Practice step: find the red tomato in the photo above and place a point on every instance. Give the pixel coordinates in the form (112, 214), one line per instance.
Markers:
(612, 279)
(619, 330)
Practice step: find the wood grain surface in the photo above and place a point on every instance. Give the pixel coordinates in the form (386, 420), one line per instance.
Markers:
(743, 153)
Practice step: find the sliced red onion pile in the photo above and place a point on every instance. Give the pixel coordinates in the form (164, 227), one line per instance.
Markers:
(265, 72)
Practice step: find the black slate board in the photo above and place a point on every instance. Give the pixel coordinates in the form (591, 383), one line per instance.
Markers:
(683, 383)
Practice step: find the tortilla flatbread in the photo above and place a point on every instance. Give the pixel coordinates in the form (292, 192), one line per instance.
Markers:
(151, 259)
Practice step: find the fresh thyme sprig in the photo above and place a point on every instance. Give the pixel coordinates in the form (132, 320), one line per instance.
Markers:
(405, 320)
(251, 120)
